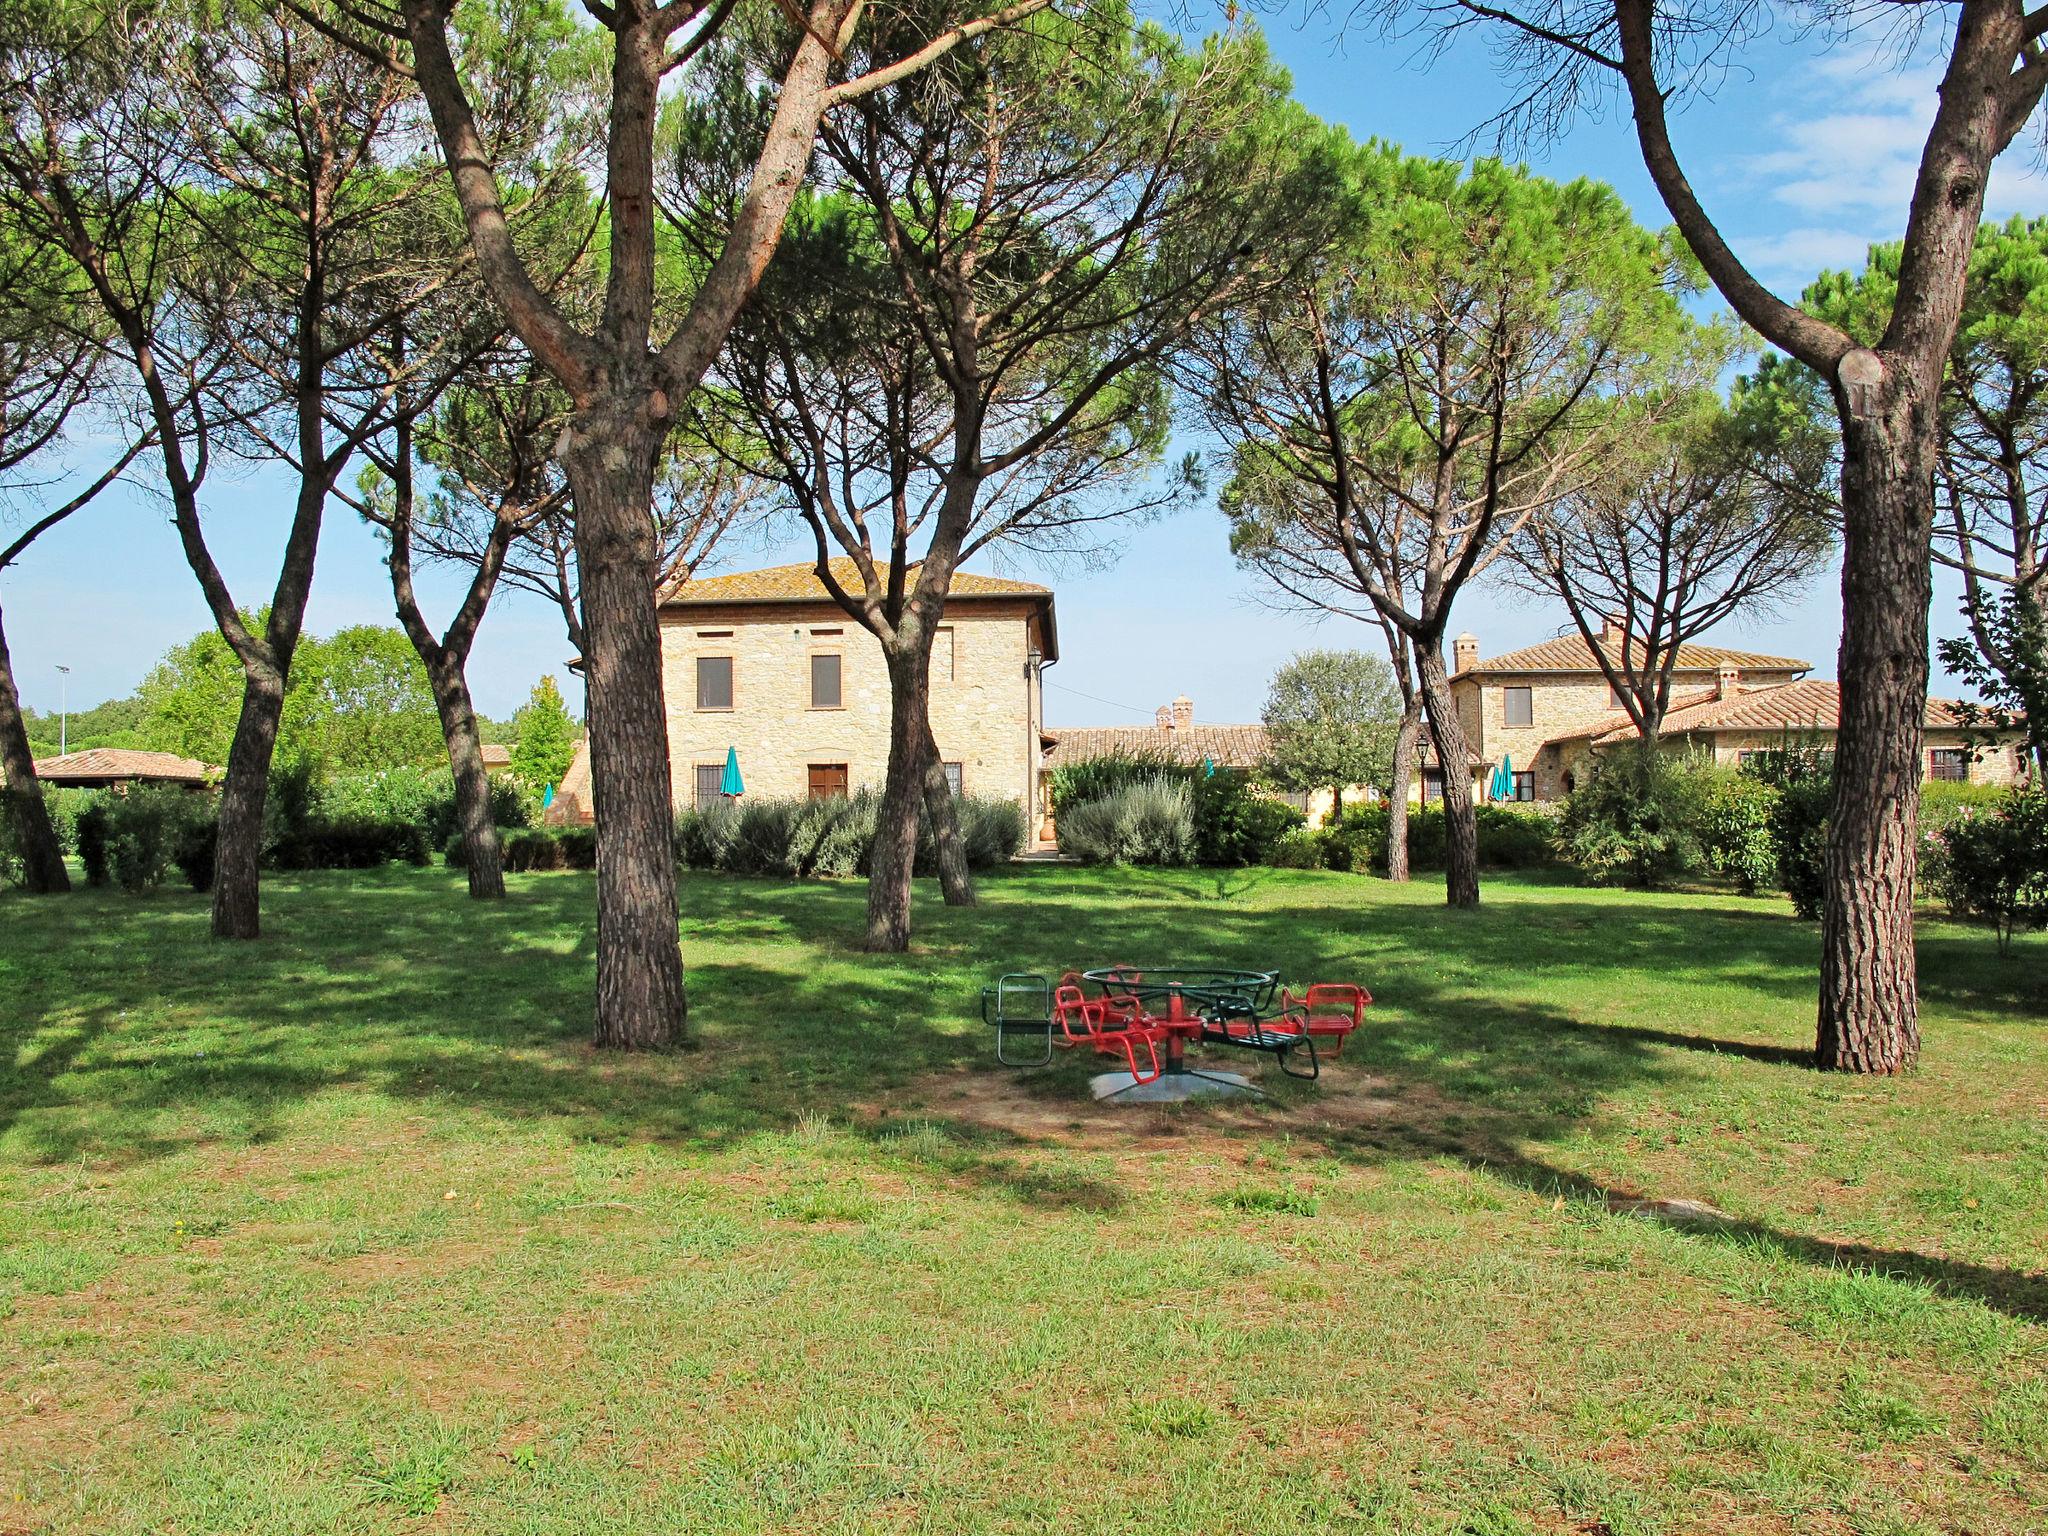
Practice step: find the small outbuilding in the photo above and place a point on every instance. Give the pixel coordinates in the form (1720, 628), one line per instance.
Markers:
(119, 767)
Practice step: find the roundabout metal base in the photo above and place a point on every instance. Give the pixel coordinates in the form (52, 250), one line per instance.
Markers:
(1171, 1087)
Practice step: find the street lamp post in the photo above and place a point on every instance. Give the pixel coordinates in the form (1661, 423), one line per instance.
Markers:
(63, 710)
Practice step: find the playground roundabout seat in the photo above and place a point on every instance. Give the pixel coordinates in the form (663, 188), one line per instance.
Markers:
(1144, 1019)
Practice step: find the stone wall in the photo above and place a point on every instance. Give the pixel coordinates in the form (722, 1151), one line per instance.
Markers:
(985, 710)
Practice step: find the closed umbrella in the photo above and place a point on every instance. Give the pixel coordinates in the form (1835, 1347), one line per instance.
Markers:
(732, 783)
(1504, 779)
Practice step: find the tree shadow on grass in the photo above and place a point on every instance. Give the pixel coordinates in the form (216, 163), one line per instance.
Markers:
(133, 1036)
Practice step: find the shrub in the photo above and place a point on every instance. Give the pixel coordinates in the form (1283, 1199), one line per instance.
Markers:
(1299, 848)
(761, 840)
(10, 854)
(197, 852)
(578, 845)
(1804, 778)
(1356, 840)
(145, 830)
(1632, 817)
(1096, 778)
(1235, 825)
(92, 829)
(425, 796)
(992, 830)
(351, 843)
(1734, 824)
(842, 846)
(1148, 821)
(532, 850)
(1997, 864)
(703, 838)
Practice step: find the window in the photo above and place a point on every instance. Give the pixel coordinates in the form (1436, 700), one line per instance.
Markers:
(1518, 706)
(714, 682)
(1432, 785)
(954, 777)
(1524, 788)
(825, 681)
(828, 780)
(710, 779)
(942, 653)
(1614, 698)
(1948, 765)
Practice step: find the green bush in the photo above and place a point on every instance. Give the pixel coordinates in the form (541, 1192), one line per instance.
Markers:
(703, 838)
(1147, 821)
(1734, 824)
(1096, 778)
(761, 841)
(91, 830)
(147, 828)
(1299, 848)
(830, 837)
(1805, 780)
(1235, 825)
(11, 865)
(1997, 863)
(1633, 816)
(1356, 840)
(351, 843)
(543, 848)
(197, 853)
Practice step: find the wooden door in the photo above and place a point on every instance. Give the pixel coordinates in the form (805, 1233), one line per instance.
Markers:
(827, 780)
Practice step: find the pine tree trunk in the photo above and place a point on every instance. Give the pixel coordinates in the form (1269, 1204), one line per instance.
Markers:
(942, 815)
(483, 851)
(1397, 794)
(1447, 734)
(1869, 1002)
(42, 856)
(903, 794)
(641, 1002)
(238, 867)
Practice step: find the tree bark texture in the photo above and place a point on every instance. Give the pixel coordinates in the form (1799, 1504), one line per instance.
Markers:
(483, 851)
(1447, 734)
(942, 815)
(42, 856)
(903, 795)
(1397, 791)
(641, 1002)
(1869, 1002)
(238, 863)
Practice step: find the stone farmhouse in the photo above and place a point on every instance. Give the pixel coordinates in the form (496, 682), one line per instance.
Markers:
(764, 667)
(1548, 708)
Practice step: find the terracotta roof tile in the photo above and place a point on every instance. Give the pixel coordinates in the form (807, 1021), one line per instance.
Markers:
(1809, 705)
(1227, 746)
(108, 763)
(1570, 653)
(496, 756)
(800, 583)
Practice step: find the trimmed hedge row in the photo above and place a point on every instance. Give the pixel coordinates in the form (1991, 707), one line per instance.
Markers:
(829, 837)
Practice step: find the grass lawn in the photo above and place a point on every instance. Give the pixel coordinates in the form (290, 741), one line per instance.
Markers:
(347, 1230)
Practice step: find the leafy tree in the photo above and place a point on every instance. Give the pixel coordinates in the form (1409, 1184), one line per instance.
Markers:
(229, 184)
(546, 736)
(49, 363)
(968, 346)
(1448, 365)
(358, 702)
(1677, 531)
(1635, 817)
(1571, 57)
(1331, 718)
(631, 366)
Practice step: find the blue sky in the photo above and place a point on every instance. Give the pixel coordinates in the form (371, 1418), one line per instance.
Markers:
(1804, 157)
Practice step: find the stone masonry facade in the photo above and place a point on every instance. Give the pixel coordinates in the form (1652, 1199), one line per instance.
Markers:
(985, 701)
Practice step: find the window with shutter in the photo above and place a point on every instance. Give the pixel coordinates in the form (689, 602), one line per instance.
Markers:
(825, 690)
(714, 682)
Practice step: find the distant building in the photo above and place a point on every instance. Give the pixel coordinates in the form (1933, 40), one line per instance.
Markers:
(497, 759)
(765, 665)
(1548, 709)
(118, 767)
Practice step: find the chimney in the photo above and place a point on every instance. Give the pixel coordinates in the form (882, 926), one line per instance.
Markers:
(1183, 713)
(1464, 652)
(1163, 718)
(1612, 630)
(1725, 680)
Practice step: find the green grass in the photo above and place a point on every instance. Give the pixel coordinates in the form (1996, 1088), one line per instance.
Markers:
(347, 1230)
